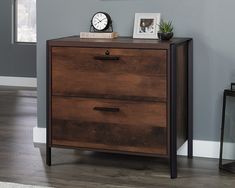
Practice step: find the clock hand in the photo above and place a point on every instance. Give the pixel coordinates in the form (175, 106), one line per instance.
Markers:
(102, 19)
(98, 20)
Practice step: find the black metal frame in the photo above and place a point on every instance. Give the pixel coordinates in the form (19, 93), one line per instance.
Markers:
(232, 86)
(48, 100)
(190, 99)
(227, 167)
(173, 107)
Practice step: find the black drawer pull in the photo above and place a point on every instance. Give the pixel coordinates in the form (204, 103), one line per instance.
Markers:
(107, 58)
(106, 109)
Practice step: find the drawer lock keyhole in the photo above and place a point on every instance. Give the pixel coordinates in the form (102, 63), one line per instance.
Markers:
(107, 52)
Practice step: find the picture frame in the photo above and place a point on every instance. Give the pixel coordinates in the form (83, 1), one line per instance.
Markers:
(146, 25)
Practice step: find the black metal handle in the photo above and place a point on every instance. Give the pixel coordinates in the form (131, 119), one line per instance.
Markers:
(232, 86)
(107, 58)
(106, 109)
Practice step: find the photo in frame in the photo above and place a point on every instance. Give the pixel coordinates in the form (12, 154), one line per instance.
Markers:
(146, 25)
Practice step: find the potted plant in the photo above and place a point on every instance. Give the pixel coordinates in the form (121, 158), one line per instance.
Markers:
(165, 30)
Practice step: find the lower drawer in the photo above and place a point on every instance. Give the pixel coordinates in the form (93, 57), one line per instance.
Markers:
(115, 125)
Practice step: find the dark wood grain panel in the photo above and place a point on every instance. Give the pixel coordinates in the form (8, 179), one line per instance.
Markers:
(138, 114)
(70, 83)
(138, 61)
(120, 42)
(116, 137)
(136, 74)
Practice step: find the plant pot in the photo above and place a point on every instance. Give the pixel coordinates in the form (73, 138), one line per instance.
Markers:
(165, 36)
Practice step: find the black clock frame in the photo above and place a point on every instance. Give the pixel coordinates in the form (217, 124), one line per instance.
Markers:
(107, 29)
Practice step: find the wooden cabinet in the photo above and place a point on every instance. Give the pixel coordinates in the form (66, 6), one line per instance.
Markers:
(122, 95)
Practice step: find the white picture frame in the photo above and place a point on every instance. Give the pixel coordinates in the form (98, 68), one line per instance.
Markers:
(146, 25)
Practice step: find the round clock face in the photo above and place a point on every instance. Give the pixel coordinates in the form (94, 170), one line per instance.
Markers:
(100, 21)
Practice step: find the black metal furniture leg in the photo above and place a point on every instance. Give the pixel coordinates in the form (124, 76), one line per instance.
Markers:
(173, 165)
(190, 148)
(173, 150)
(190, 100)
(48, 107)
(222, 130)
(173, 103)
(48, 156)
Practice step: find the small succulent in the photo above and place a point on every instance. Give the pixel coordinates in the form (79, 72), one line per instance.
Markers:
(165, 27)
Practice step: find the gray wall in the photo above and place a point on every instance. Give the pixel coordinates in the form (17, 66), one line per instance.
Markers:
(15, 59)
(209, 22)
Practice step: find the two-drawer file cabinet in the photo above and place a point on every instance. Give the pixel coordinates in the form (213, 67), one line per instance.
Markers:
(122, 95)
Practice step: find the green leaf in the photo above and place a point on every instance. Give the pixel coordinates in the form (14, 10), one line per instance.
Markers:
(166, 26)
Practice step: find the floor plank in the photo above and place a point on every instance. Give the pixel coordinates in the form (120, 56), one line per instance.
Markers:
(23, 162)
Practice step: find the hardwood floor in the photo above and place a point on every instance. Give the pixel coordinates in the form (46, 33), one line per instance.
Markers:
(23, 162)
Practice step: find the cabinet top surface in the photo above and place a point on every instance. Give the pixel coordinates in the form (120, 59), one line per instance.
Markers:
(122, 42)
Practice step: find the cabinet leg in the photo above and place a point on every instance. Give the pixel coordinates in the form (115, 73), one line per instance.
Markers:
(173, 165)
(173, 114)
(173, 169)
(190, 148)
(48, 156)
(190, 100)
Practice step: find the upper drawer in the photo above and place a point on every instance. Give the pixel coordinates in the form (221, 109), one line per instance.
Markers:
(109, 72)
